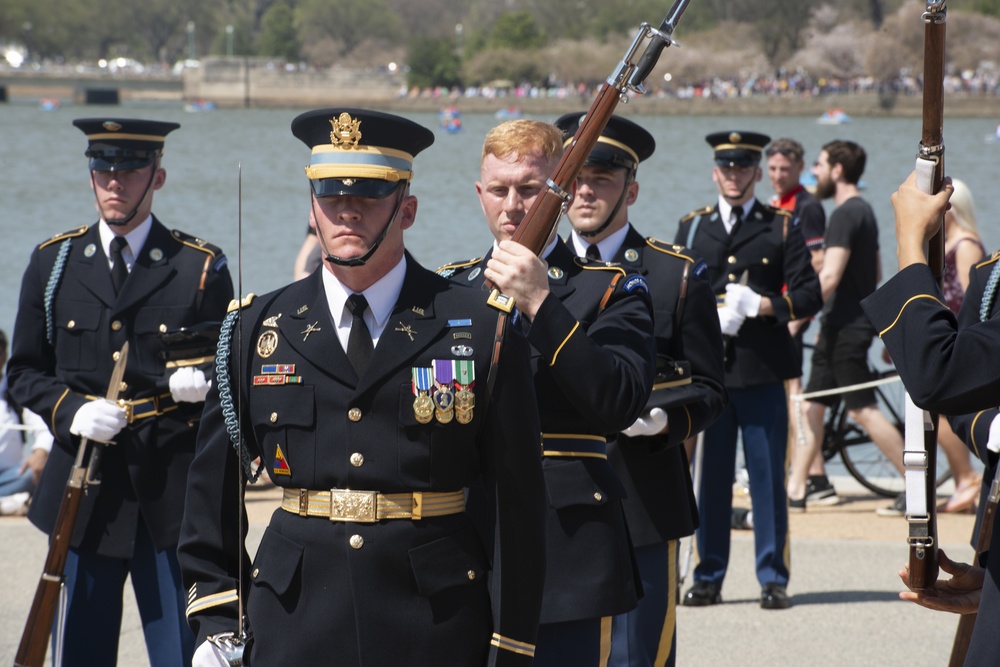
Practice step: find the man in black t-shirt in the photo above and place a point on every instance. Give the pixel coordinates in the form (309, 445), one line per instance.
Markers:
(851, 271)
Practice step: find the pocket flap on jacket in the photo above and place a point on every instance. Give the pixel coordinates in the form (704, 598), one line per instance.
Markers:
(277, 562)
(454, 560)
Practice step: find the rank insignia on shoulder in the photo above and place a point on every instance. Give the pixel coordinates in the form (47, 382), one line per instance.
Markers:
(280, 466)
(634, 283)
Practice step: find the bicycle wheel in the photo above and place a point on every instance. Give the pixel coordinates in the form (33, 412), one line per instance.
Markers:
(866, 462)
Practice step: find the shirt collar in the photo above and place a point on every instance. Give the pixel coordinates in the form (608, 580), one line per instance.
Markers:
(136, 239)
(381, 296)
(608, 246)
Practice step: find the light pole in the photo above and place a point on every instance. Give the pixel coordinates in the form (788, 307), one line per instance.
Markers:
(229, 41)
(458, 40)
(27, 40)
(190, 32)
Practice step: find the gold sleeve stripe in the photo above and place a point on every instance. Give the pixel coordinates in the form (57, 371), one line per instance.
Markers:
(56, 408)
(908, 301)
(791, 310)
(209, 601)
(563, 344)
(513, 645)
(972, 433)
(687, 413)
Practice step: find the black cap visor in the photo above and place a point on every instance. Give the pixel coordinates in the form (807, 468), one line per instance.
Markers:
(369, 188)
(118, 159)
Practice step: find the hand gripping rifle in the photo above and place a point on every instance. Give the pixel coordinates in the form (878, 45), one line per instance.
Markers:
(920, 454)
(35, 638)
(544, 213)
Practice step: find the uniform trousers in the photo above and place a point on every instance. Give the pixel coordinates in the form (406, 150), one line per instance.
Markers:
(95, 586)
(581, 643)
(761, 414)
(647, 635)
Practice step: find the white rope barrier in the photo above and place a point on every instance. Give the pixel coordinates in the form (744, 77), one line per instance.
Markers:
(845, 390)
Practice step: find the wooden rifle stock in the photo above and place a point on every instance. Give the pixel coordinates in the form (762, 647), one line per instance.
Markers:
(923, 559)
(35, 638)
(966, 622)
(541, 218)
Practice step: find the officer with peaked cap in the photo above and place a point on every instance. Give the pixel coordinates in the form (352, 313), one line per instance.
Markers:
(85, 293)
(648, 456)
(370, 393)
(760, 271)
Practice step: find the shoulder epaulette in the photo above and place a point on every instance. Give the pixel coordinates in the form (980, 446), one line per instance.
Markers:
(700, 211)
(449, 270)
(236, 304)
(674, 249)
(986, 262)
(196, 243)
(79, 231)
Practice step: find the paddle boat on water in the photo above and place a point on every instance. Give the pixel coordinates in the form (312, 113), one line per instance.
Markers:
(48, 103)
(199, 105)
(508, 113)
(450, 119)
(833, 117)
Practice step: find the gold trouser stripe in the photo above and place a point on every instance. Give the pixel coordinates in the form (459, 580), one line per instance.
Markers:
(900, 314)
(508, 644)
(605, 648)
(412, 506)
(670, 620)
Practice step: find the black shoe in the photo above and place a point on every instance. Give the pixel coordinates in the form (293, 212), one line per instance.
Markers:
(773, 596)
(797, 505)
(702, 594)
(897, 508)
(819, 491)
(742, 519)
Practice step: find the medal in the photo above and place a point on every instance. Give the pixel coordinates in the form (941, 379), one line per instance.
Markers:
(465, 399)
(423, 406)
(444, 398)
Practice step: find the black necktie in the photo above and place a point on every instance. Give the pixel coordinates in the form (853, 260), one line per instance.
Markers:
(737, 219)
(593, 252)
(359, 343)
(119, 272)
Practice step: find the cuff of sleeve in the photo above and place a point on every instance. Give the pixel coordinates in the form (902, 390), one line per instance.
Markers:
(512, 645)
(884, 306)
(552, 329)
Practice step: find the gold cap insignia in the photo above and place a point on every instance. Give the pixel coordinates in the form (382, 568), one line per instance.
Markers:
(735, 137)
(348, 181)
(346, 130)
(111, 126)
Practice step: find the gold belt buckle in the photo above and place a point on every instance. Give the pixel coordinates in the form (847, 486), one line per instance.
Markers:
(129, 409)
(355, 506)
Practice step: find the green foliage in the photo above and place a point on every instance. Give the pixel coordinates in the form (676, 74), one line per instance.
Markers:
(348, 22)
(278, 35)
(433, 62)
(515, 30)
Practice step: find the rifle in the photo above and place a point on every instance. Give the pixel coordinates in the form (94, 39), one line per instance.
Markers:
(921, 457)
(35, 638)
(544, 213)
(966, 622)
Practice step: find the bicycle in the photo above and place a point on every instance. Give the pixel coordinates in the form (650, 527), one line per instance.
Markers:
(861, 457)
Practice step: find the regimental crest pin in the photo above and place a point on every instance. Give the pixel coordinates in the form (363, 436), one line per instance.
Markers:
(89, 250)
(631, 254)
(155, 254)
(267, 344)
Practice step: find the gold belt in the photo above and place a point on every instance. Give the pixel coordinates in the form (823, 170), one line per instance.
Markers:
(371, 506)
(141, 408)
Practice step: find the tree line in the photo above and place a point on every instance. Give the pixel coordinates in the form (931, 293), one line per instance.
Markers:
(440, 42)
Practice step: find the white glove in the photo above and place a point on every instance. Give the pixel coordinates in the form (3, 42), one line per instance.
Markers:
(742, 299)
(188, 385)
(649, 423)
(730, 320)
(208, 655)
(993, 443)
(99, 420)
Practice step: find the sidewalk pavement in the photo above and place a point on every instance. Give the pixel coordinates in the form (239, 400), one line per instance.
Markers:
(845, 609)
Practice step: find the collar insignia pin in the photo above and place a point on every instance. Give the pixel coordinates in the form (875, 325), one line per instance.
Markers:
(312, 328)
(407, 329)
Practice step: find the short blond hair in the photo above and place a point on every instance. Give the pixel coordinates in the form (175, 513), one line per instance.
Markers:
(524, 137)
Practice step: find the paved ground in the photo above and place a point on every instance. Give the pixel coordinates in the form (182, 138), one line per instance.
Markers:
(844, 594)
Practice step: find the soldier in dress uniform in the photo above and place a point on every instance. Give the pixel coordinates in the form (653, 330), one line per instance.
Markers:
(688, 392)
(760, 271)
(370, 392)
(590, 328)
(941, 362)
(85, 293)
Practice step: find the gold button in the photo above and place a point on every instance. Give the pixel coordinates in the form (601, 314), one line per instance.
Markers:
(732, 259)
(354, 414)
(274, 417)
(357, 459)
(116, 325)
(765, 261)
(597, 496)
(732, 278)
(163, 328)
(116, 355)
(471, 574)
(256, 571)
(71, 324)
(357, 541)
